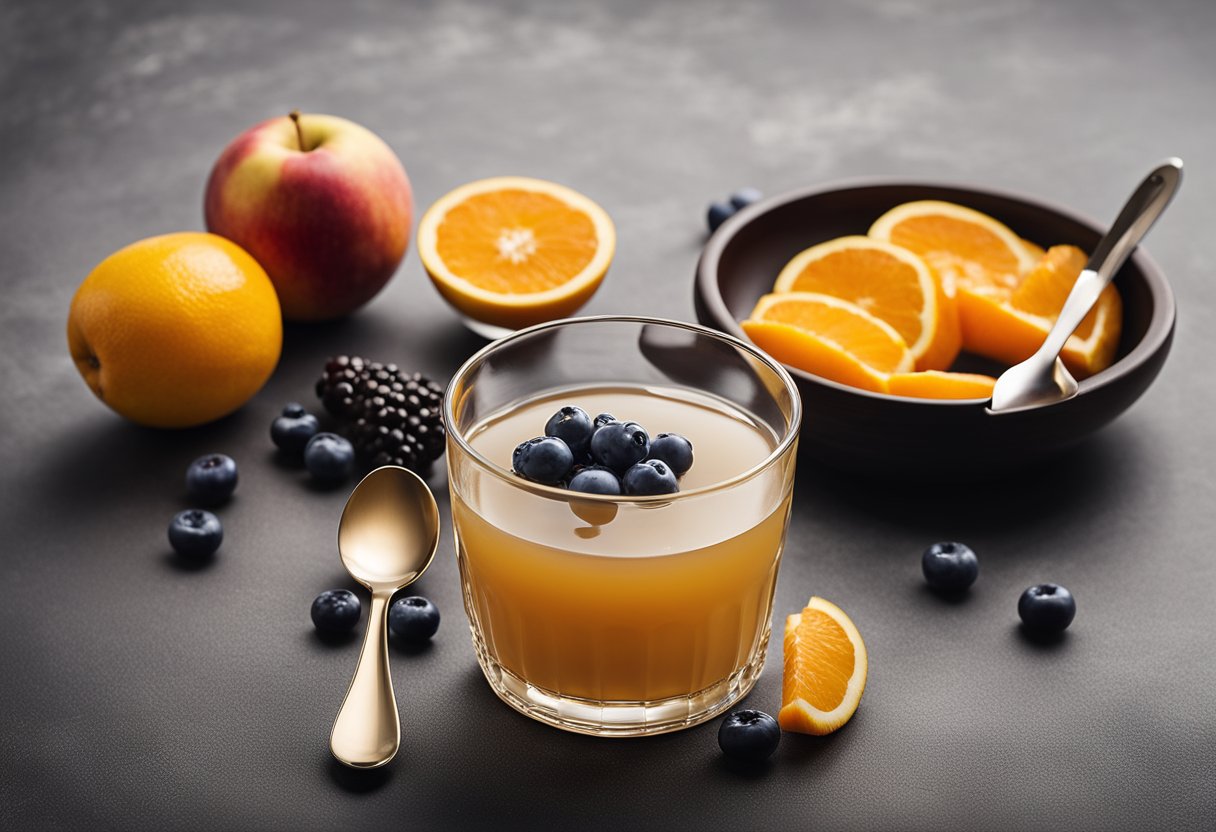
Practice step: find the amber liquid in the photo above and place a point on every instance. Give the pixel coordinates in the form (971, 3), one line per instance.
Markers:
(666, 599)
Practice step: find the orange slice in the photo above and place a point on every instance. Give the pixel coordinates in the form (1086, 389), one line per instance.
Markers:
(829, 337)
(964, 247)
(934, 384)
(825, 669)
(513, 251)
(806, 351)
(1002, 332)
(1011, 331)
(1046, 287)
(1044, 291)
(887, 281)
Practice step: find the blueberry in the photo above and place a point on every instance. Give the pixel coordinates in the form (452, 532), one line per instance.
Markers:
(745, 197)
(749, 736)
(211, 479)
(950, 566)
(603, 419)
(573, 426)
(1047, 608)
(673, 449)
(335, 611)
(291, 431)
(413, 619)
(718, 213)
(544, 459)
(649, 478)
(596, 479)
(619, 445)
(195, 533)
(329, 457)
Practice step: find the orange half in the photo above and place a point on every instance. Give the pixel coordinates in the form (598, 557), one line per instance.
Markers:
(513, 251)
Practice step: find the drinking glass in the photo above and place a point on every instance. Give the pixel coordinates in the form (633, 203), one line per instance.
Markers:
(630, 615)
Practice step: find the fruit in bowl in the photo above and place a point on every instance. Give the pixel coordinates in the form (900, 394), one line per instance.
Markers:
(321, 202)
(934, 425)
(511, 251)
(177, 330)
(889, 312)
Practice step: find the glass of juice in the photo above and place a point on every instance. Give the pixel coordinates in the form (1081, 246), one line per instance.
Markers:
(622, 616)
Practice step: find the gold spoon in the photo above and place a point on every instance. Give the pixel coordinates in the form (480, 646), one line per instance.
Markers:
(387, 538)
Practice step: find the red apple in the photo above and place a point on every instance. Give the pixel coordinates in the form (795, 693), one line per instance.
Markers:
(321, 203)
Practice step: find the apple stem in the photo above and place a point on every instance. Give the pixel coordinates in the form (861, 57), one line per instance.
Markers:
(295, 119)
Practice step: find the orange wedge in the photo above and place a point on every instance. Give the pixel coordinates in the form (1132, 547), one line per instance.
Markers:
(825, 669)
(513, 251)
(934, 384)
(1046, 287)
(964, 247)
(806, 351)
(1010, 331)
(829, 337)
(890, 283)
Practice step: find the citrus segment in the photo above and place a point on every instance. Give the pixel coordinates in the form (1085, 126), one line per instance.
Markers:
(1046, 287)
(514, 251)
(825, 669)
(963, 246)
(847, 326)
(808, 352)
(934, 384)
(999, 331)
(889, 282)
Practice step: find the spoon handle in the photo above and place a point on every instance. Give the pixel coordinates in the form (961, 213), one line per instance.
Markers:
(1139, 213)
(367, 731)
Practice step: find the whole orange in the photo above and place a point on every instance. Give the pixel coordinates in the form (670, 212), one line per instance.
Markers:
(176, 330)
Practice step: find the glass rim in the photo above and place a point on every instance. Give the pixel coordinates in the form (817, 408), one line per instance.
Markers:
(554, 492)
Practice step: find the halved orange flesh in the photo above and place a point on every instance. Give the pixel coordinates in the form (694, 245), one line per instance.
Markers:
(825, 669)
(889, 282)
(513, 251)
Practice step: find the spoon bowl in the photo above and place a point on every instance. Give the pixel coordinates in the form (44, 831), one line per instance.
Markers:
(389, 529)
(387, 538)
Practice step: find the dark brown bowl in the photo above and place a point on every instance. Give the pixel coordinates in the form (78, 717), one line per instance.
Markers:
(875, 434)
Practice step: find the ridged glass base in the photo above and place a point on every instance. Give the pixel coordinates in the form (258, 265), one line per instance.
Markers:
(619, 719)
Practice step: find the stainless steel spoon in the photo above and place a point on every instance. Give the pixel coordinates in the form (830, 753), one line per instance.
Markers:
(387, 538)
(1042, 379)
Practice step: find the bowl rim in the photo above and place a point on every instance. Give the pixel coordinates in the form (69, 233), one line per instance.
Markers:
(1156, 335)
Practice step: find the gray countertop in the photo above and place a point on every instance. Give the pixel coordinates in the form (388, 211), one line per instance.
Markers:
(139, 695)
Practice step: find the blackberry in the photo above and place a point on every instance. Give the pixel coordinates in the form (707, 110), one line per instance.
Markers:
(392, 417)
